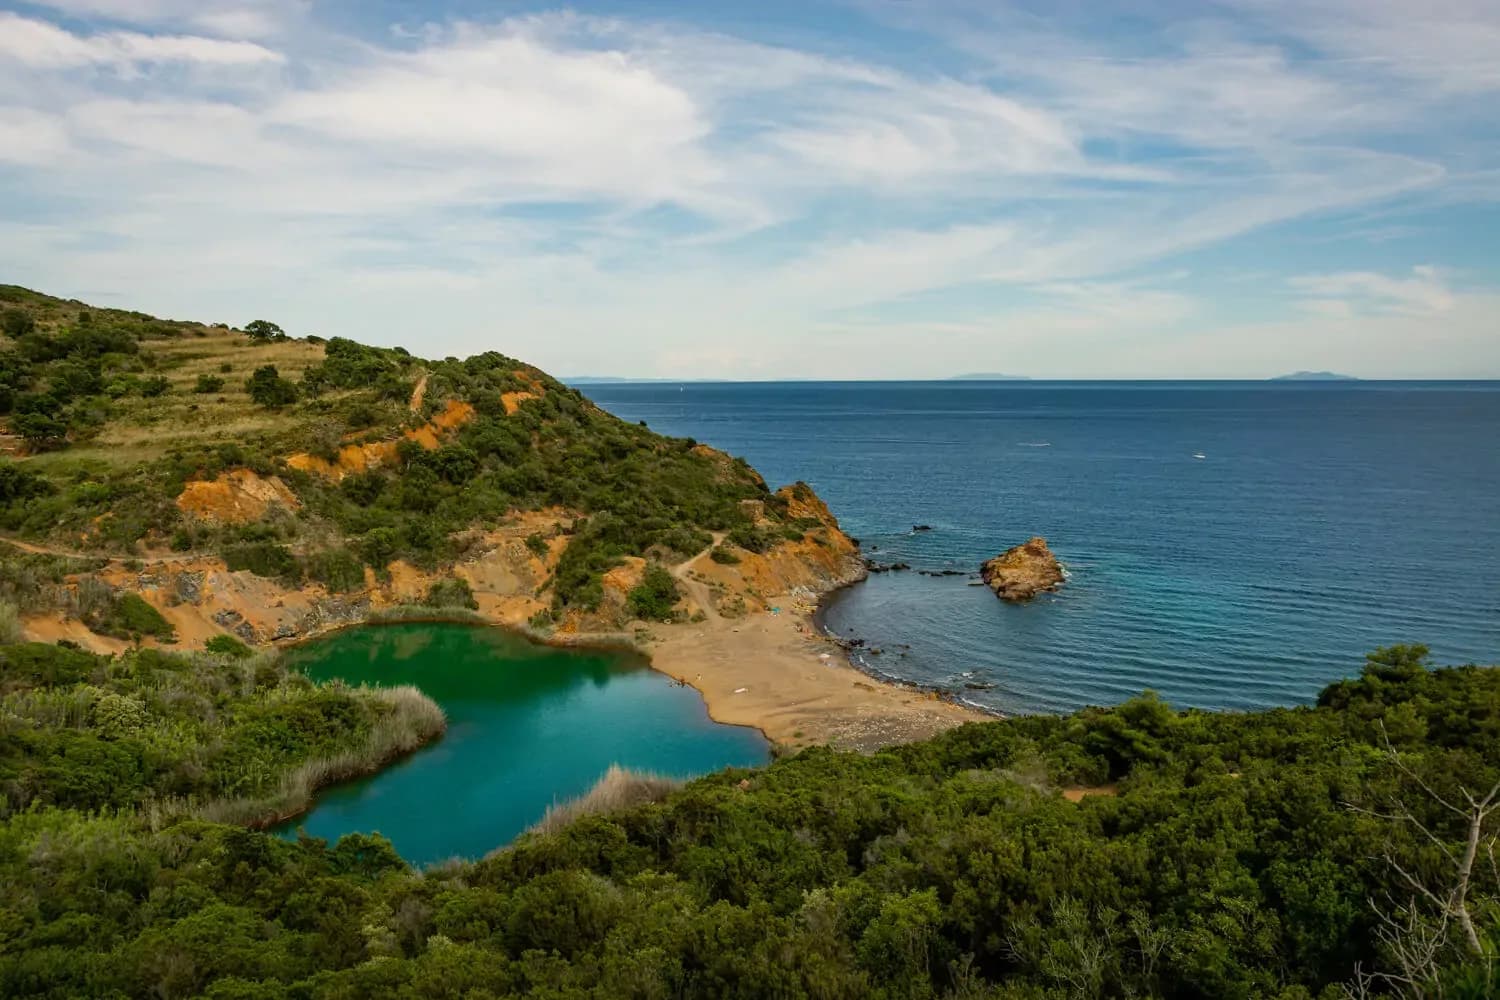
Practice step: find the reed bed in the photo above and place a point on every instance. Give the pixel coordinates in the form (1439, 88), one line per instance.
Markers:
(413, 720)
(620, 788)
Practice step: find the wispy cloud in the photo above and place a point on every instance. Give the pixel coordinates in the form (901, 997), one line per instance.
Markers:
(41, 45)
(585, 186)
(1350, 293)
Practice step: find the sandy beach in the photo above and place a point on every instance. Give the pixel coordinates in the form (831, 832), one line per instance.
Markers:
(776, 673)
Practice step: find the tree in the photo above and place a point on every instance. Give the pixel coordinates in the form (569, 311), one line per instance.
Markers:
(1416, 931)
(40, 431)
(264, 331)
(268, 388)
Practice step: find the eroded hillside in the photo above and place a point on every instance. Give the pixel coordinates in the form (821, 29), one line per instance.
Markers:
(243, 481)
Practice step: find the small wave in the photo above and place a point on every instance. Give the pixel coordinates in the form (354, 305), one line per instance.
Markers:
(1036, 444)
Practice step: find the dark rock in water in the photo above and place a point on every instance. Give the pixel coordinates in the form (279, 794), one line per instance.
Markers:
(1020, 573)
(921, 527)
(875, 567)
(942, 572)
(978, 686)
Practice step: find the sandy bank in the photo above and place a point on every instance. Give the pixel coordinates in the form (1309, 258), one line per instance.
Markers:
(768, 671)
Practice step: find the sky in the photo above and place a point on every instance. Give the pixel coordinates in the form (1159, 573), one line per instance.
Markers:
(784, 188)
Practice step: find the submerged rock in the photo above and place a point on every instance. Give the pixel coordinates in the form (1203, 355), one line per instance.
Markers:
(1020, 573)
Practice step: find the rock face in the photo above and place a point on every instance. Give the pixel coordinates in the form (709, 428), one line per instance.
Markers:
(1019, 574)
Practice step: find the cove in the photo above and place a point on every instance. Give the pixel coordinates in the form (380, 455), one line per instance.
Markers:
(528, 725)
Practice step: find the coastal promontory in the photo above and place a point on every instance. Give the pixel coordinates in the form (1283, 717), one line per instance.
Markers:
(1022, 572)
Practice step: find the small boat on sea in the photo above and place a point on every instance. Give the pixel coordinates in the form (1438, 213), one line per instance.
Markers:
(1199, 455)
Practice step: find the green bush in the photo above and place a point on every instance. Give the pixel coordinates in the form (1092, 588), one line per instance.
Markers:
(656, 597)
(227, 645)
(752, 539)
(537, 545)
(340, 570)
(267, 388)
(724, 556)
(121, 615)
(266, 559)
(208, 384)
(451, 592)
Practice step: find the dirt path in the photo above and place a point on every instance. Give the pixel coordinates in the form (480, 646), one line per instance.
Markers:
(701, 594)
(52, 550)
(419, 394)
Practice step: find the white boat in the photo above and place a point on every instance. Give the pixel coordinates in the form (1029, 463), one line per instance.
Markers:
(1199, 454)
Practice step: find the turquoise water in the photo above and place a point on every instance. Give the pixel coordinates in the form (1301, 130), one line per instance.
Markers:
(1323, 520)
(527, 725)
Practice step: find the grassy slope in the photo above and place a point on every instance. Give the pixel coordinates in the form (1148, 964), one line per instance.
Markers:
(134, 442)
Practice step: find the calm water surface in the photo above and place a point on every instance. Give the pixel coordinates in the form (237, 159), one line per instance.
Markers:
(1323, 520)
(527, 725)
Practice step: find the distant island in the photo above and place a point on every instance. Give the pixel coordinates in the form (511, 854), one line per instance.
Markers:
(1315, 377)
(990, 377)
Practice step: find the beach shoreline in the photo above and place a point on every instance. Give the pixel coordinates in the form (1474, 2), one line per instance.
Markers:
(781, 674)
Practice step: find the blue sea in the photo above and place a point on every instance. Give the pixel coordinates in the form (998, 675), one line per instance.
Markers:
(1321, 521)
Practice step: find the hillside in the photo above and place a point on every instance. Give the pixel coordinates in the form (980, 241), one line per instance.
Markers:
(1124, 852)
(245, 481)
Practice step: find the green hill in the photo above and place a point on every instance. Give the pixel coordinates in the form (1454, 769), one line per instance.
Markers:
(308, 460)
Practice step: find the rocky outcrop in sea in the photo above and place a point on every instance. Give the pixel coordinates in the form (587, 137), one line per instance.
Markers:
(1022, 572)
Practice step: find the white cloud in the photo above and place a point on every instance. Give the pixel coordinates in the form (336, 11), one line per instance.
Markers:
(30, 137)
(1452, 45)
(612, 195)
(41, 45)
(1351, 293)
(242, 19)
(578, 123)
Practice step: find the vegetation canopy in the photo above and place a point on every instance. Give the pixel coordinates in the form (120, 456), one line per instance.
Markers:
(1293, 853)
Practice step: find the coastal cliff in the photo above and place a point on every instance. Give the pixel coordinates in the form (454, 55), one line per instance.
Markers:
(509, 576)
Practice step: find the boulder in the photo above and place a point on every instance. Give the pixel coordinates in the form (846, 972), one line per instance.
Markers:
(1020, 573)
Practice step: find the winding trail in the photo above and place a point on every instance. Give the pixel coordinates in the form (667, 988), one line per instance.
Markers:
(52, 550)
(701, 594)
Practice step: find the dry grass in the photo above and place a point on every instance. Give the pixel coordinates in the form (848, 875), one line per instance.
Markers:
(620, 788)
(141, 429)
(10, 624)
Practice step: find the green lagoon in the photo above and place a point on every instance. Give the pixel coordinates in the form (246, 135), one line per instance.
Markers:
(528, 725)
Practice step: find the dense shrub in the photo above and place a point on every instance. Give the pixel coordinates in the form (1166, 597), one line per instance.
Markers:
(266, 559)
(655, 597)
(227, 645)
(267, 388)
(340, 570)
(451, 592)
(1237, 855)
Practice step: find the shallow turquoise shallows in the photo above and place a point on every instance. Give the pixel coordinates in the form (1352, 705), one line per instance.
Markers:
(528, 725)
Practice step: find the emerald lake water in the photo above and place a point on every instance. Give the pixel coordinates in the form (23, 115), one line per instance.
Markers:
(528, 725)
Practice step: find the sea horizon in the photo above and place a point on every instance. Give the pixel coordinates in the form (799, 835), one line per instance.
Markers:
(1230, 544)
